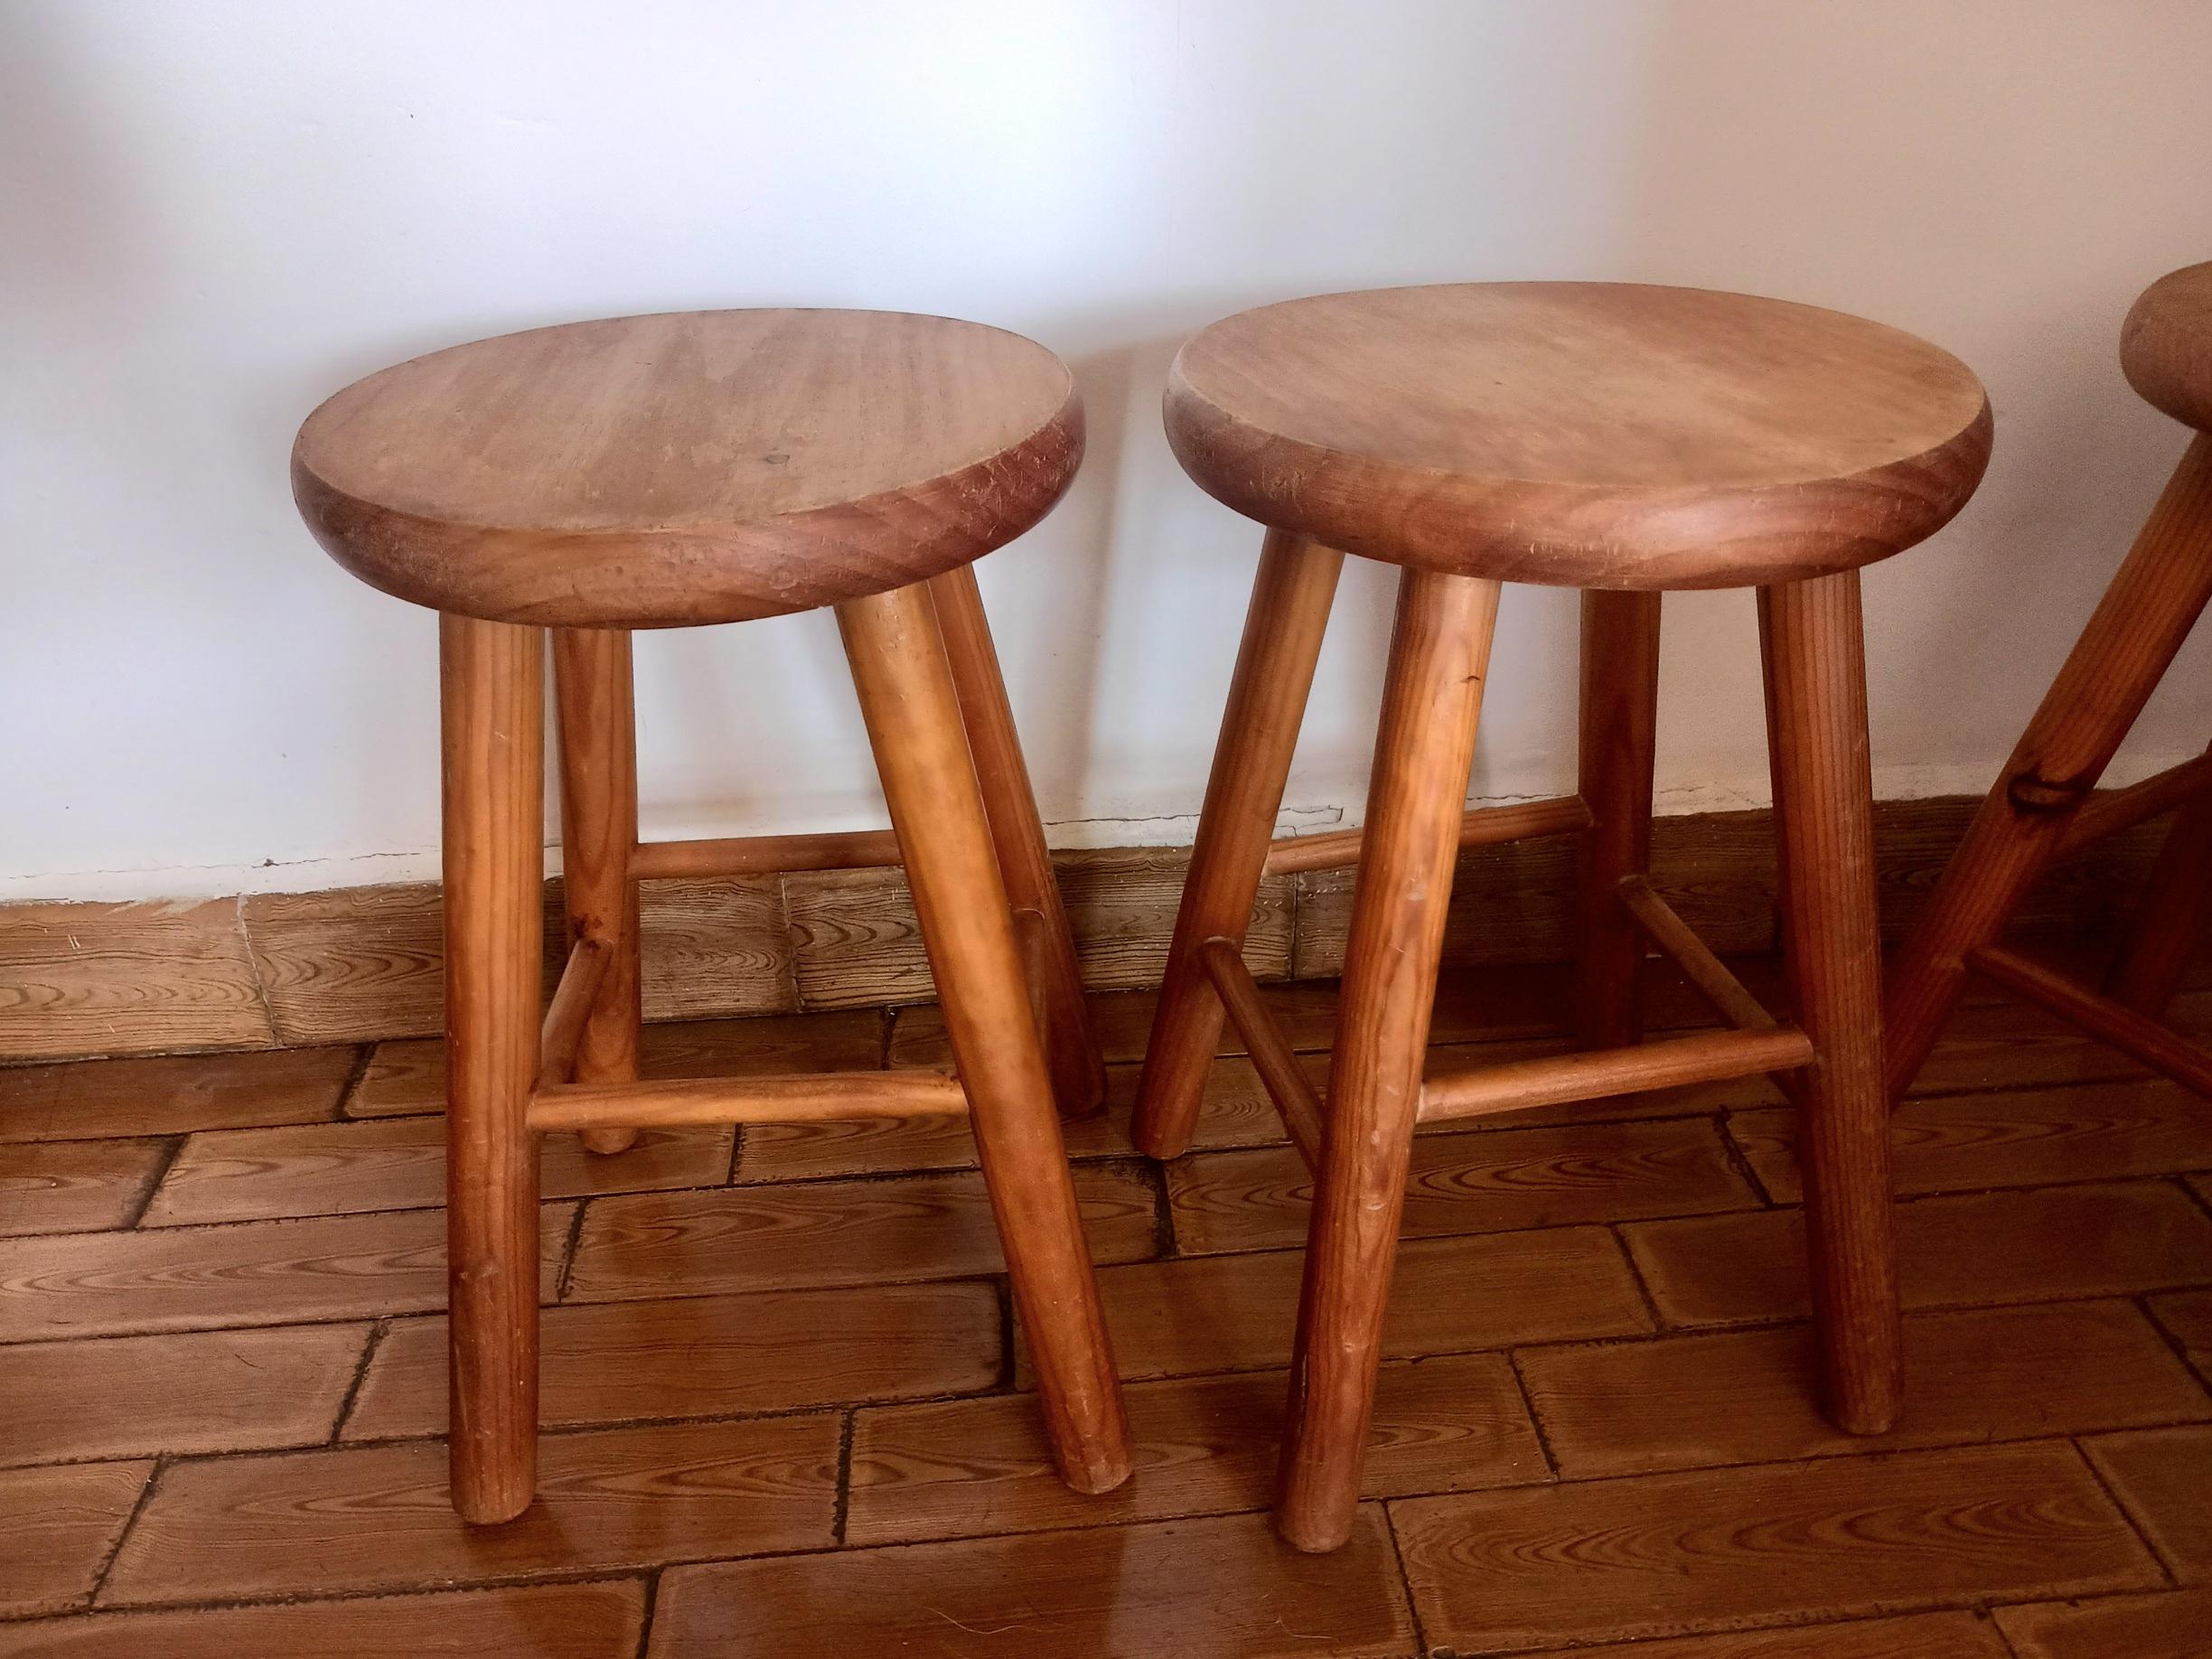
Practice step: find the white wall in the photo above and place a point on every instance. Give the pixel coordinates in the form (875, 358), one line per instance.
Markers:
(212, 212)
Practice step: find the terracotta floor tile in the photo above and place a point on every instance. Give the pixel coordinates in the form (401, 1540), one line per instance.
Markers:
(1224, 1588)
(704, 1356)
(546, 1621)
(1669, 1554)
(2175, 1625)
(2036, 1245)
(409, 1076)
(172, 1095)
(195, 1392)
(1450, 1296)
(1496, 1180)
(1928, 1636)
(179, 1278)
(57, 1527)
(2014, 1137)
(76, 1185)
(963, 1468)
(380, 1517)
(1749, 1396)
(829, 1232)
(2164, 1475)
(399, 1164)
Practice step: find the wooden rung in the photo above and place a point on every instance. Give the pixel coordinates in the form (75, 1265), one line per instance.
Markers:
(2109, 811)
(808, 1099)
(2135, 1034)
(1482, 827)
(1720, 988)
(1271, 1053)
(1707, 1057)
(563, 1031)
(764, 855)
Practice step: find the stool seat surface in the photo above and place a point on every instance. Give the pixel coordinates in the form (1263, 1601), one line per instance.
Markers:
(2166, 346)
(689, 467)
(1588, 435)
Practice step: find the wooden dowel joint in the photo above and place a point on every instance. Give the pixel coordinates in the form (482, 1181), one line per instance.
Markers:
(570, 1010)
(2109, 811)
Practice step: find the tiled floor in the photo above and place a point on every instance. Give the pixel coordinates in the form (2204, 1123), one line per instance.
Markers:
(786, 1412)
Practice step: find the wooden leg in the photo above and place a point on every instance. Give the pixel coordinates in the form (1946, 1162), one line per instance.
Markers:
(493, 681)
(913, 720)
(1620, 703)
(1811, 634)
(1251, 761)
(598, 766)
(2170, 918)
(1439, 653)
(2145, 614)
(1071, 1046)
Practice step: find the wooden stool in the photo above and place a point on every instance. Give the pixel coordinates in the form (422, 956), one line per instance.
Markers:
(713, 467)
(1621, 440)
(2042, 808)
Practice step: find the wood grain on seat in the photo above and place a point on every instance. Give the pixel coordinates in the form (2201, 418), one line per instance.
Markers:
(1585, 434)
(690, 467)
(2166, 345)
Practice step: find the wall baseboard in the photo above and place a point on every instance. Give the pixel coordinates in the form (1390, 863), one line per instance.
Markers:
(358, 964)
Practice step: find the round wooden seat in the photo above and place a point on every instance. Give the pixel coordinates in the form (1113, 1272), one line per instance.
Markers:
(2166, 346)
(690, 467)
(1585, 434)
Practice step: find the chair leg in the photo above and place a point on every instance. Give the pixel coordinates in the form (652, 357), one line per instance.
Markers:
(493, 687)
(1811, 635)
(598, 768)
(908, 699)
(1251, 762)
(1620, 721)
(1439, 654)
(2141, 622)
(1070, 1045)
(2170, 918)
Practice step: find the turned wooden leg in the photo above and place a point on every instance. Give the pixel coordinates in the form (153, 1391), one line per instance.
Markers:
(2170, 918)
(1071, 1046)
(494, 689)
(1251, 761)
(598, 768)
(1439, 653)
(1620, 722)
(1811, 635)
(913, 711)
(2145, 614)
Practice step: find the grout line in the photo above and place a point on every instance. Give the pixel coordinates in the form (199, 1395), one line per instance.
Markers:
(1660, 1324)
(361, 1376)
(844, 1478)
(1724, 1126)
(1405, 1578)
(260, 975)
(364, 1057)
(2143, 1302)
(568, 1256)
(130, 1522)
(2118, 1500)
(652, 1606)
(1536, 1422)
(159, 1172)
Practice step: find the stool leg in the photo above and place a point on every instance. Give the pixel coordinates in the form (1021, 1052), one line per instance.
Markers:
(493, 689)
(913, 712)
(1251, 761)
(2170, 918)
(1071, 1046)
(2138, 626)
(1811, 635)
(1619, 722)
(1439, 654)
(598, 770)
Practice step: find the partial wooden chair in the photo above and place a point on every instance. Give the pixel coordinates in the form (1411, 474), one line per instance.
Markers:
(1621, 440)
(714, 467)
(2044, 805)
